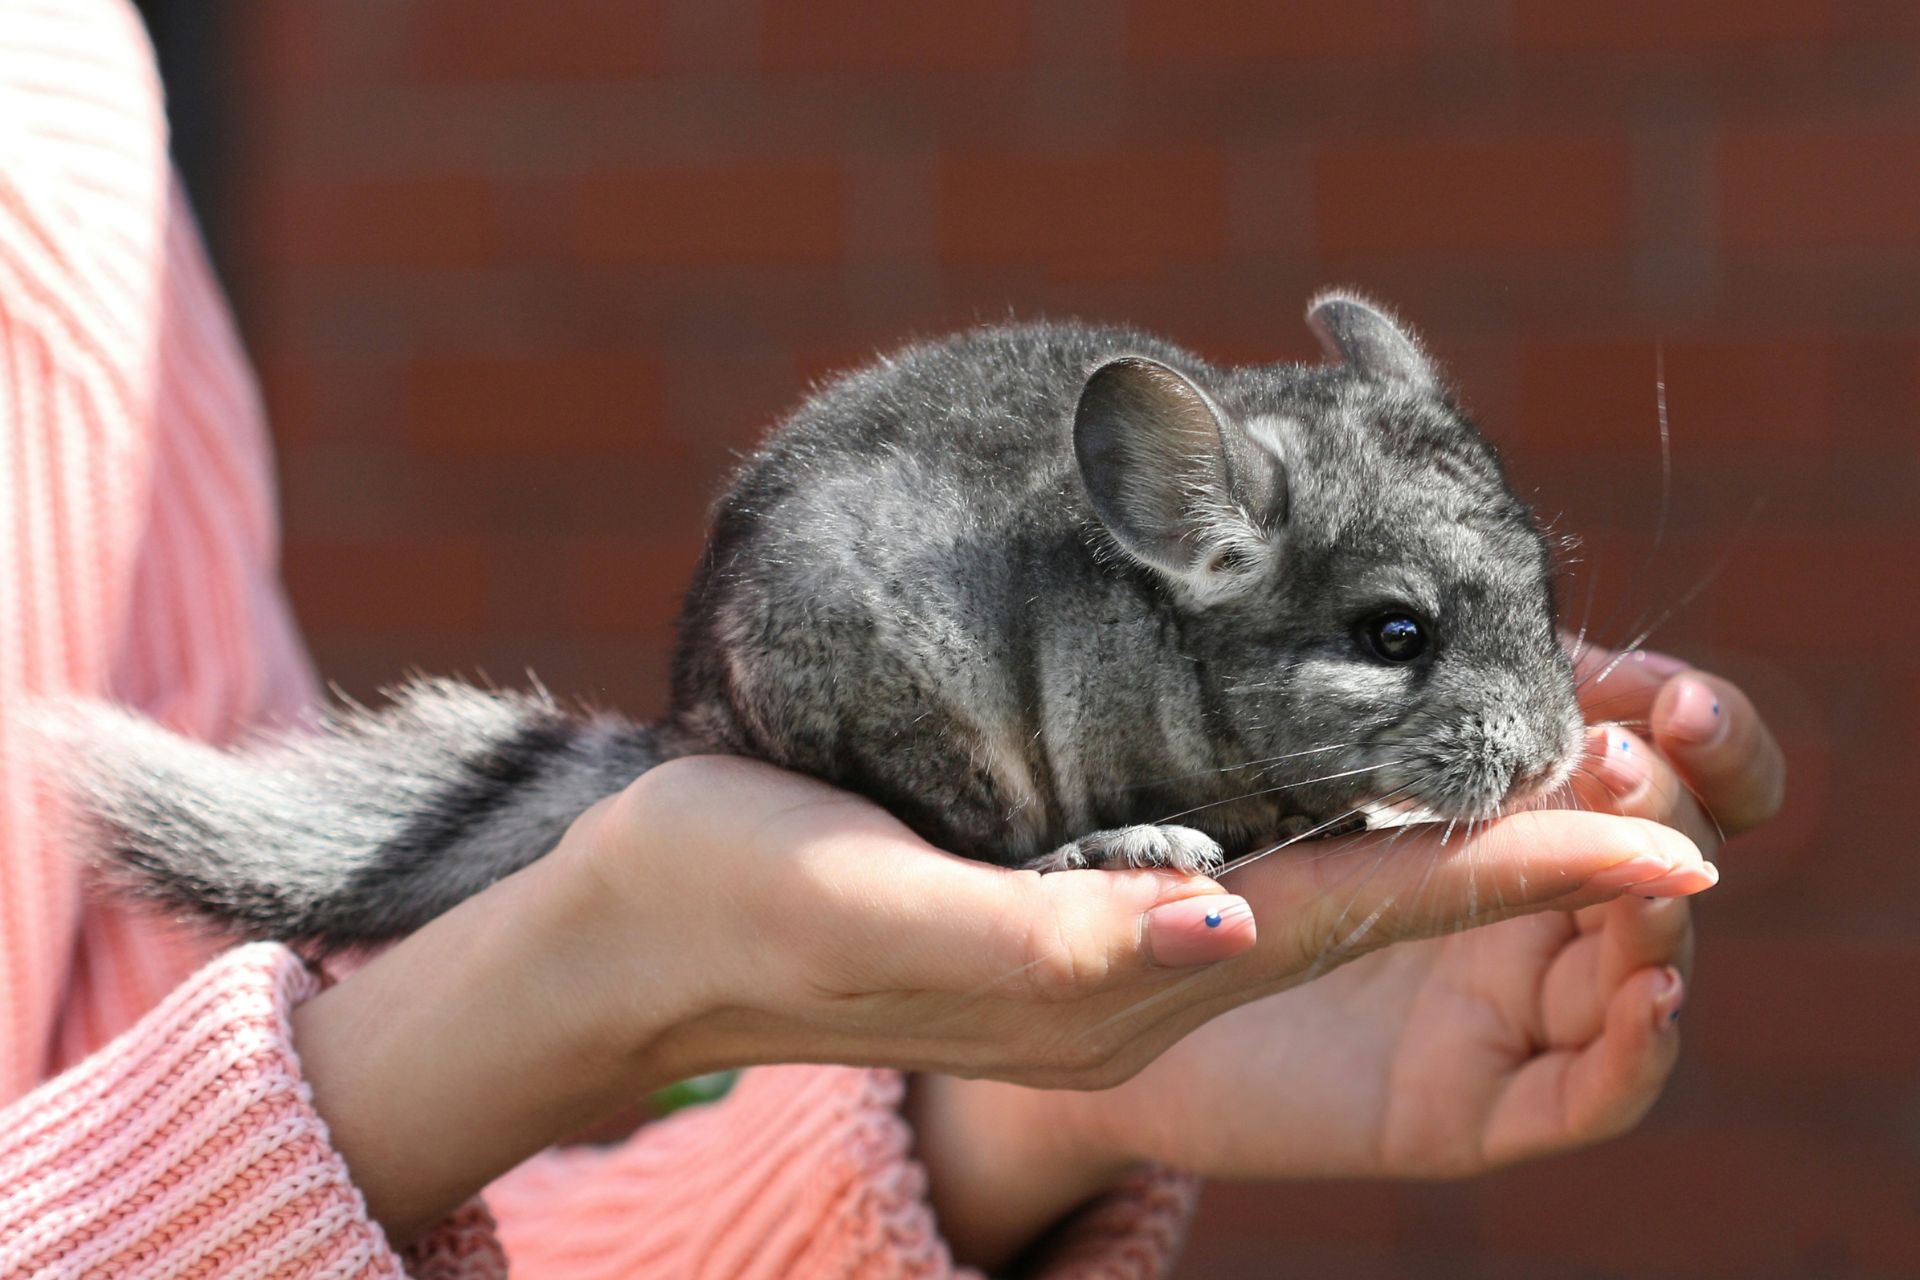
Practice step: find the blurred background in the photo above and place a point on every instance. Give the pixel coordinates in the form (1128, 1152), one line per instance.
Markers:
(522, 278)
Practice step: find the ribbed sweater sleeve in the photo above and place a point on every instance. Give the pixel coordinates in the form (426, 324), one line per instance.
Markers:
(800, 1173)
(137, 560)
(189, 1147)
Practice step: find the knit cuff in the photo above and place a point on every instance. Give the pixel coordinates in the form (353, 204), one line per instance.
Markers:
(800, 1173)
(190, 1145)
(465, 1246)
(1134, 1232)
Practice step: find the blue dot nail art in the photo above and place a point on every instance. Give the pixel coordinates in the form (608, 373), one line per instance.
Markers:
(1716, 708)
(1625, 746)
(1213, 919)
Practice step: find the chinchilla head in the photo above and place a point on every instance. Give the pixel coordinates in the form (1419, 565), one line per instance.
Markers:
(1370, 602)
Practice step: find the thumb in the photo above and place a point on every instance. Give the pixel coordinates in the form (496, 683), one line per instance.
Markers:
(1065, 935)
(1330, 902)
(838, 896)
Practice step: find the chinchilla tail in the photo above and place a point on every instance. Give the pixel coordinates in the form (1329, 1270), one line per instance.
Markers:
(359, 832)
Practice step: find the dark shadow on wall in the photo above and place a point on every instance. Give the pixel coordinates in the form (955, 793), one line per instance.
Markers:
(189, 36)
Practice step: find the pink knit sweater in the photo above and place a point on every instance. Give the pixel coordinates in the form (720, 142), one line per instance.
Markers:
(155, 1122)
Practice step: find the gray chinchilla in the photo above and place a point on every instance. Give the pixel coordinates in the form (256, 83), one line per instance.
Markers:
(1039, 589)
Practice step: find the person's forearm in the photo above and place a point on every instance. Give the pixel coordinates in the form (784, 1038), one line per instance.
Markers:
(471, 1045)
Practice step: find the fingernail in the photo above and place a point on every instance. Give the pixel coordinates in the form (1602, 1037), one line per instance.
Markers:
(1200, 930)
(1693, 715)
(1612, 759)
(1663, 665)
(1682, 883)
(1632, 873)
(1668, 998)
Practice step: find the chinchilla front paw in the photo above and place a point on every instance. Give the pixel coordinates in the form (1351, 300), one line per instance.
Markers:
(1179, 849)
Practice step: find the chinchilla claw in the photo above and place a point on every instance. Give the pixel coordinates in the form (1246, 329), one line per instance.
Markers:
(1173, 848)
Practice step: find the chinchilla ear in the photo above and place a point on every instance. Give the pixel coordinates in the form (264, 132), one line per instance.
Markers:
(1369, 341)
(1180, 486)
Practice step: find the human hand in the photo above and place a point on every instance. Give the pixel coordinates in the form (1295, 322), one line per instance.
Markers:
(1435, 1058)
(869, 946)
(720, 913)
(1724, 758)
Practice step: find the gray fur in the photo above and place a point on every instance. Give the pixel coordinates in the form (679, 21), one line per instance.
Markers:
(363, 830)
(1020, 585)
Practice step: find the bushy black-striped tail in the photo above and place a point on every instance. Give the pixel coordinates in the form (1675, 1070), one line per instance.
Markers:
(360, 832)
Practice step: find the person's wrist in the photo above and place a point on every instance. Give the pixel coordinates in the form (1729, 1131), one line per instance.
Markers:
(649, 950)
(615, 987)
(519, 1005)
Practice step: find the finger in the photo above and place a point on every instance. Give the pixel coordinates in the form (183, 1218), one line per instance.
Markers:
(861, 905)
(1719, 743)
(1641, 934)
(1621, 774)
(1706, 724)
(1572, 1097)
(1612, 687)
(1364, 892)
(971, 928)
(1632, 934)
(1321, 909)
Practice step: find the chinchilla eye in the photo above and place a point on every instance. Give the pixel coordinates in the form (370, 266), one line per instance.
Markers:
(1395, 637)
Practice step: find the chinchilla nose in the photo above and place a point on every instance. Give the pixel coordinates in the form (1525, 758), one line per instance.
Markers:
(1534, 751)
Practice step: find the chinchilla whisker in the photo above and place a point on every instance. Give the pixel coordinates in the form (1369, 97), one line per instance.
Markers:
(1598, 706)
(1262, 686)
(1563, 796)
(1267, 684)
(991, 987)
(1361, 930)
(1473, 883)
(1687, 598)
(1235, 768)
(1335, 947)
(1666, 497)
(1311, 832)
(1666, 465)
(1285, 786)
(1706, 809)
(1666, 444)
(1426, 876)
(1474, 830)
(1586, 615)
(1248, 858)
(1646, 633)
(1469, 833)
(1499, 893)
(1666, 460)
(1582, 771)
(1148, 1001)
(1359, 840)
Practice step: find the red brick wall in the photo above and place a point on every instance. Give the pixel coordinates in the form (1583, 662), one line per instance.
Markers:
(520, 276)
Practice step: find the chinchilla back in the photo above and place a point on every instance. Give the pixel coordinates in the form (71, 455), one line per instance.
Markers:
(906, 593)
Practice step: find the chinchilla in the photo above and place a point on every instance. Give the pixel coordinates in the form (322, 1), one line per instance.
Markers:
(1057, 595)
